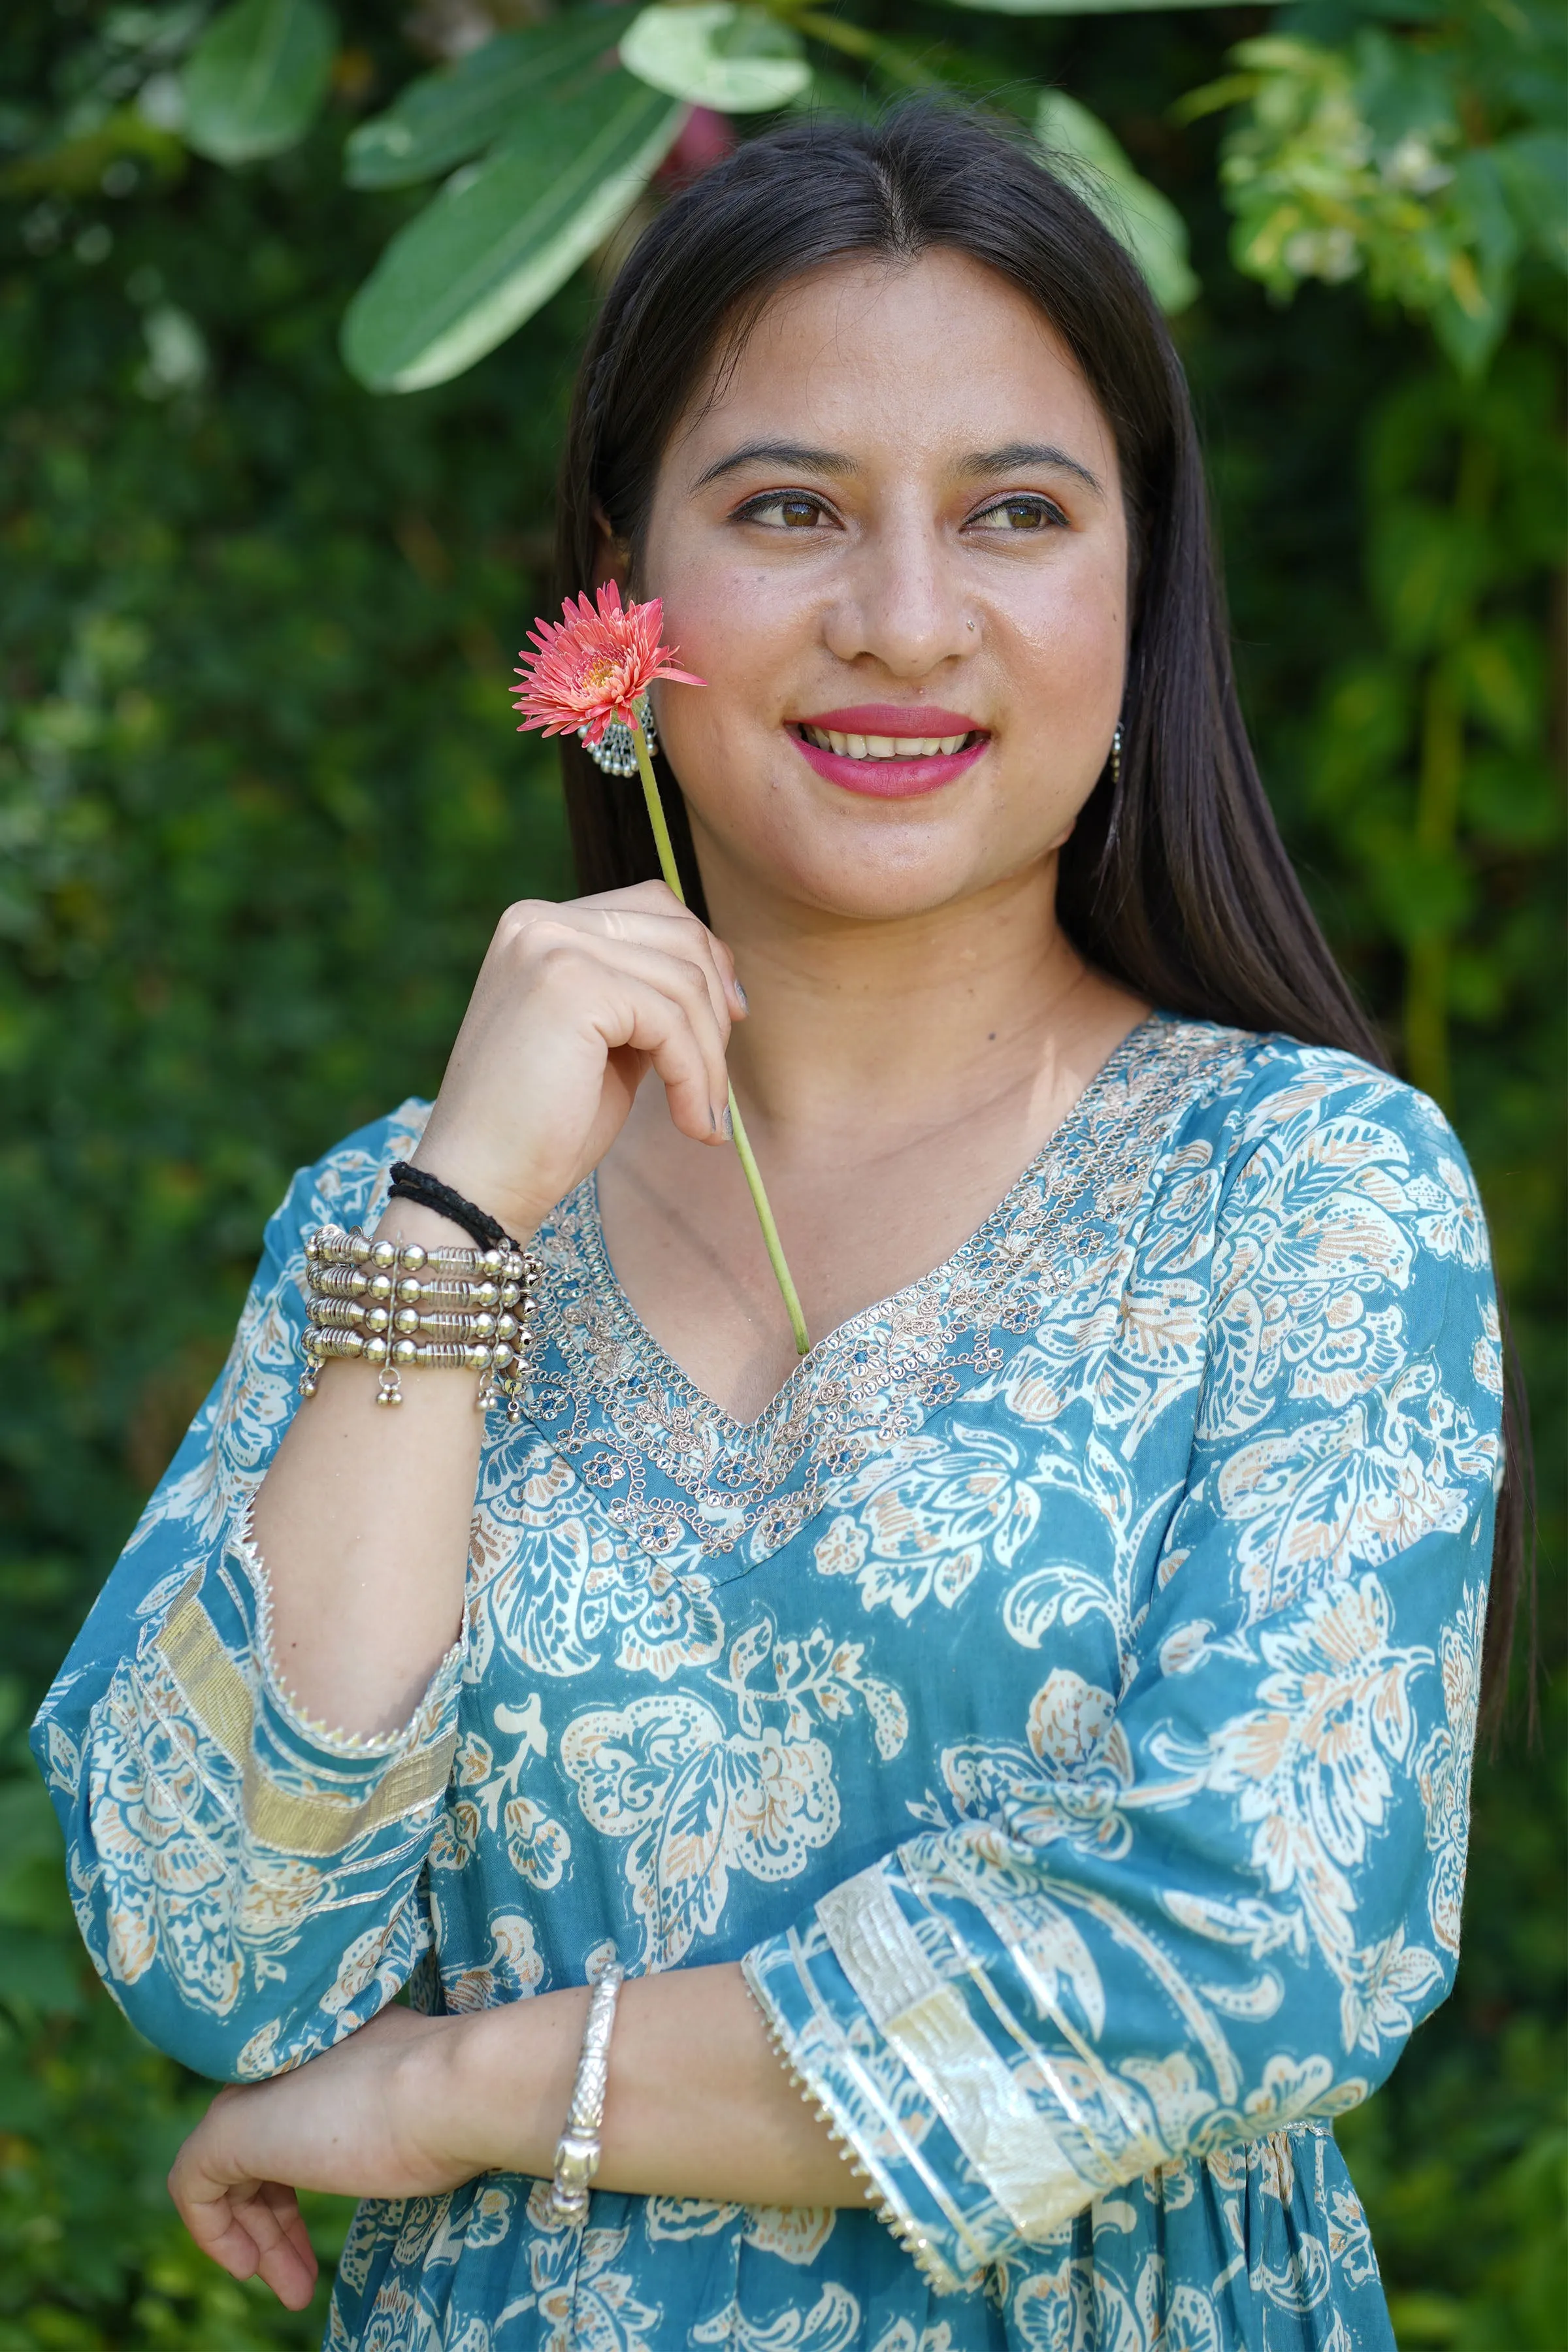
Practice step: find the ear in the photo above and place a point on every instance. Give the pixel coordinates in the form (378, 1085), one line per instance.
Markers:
(612, 556)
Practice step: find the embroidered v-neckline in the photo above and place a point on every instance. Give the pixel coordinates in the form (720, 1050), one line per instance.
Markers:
(672, 1469)
(675, 1379)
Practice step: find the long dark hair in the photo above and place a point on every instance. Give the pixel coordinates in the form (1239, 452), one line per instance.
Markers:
(1174, 880)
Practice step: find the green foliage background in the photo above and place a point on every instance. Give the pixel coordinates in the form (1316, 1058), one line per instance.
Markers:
(260, 801)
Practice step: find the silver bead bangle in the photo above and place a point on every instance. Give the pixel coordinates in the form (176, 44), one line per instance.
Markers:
(577, 2152)
(402, 1307)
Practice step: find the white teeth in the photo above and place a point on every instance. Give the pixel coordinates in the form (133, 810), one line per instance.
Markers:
(883, 747)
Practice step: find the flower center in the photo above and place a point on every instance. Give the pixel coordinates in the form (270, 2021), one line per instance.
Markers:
(601, 674)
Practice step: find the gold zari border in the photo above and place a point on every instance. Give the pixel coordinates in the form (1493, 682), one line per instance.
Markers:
(220, 1698)
(927, 2022)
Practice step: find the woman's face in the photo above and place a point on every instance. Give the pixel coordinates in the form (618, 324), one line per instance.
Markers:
(893, 526)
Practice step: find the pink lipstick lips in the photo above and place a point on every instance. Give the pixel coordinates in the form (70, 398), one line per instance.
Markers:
(858, 748)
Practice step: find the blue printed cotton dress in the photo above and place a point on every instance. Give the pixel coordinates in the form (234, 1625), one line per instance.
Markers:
(1062, 1698)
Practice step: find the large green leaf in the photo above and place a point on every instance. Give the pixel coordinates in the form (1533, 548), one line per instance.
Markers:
(256, 77)
(1147, 223)
(444, 118)
(500, 238)
(739, 60)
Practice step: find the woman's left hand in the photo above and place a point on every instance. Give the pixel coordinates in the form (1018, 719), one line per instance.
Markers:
(698, 2105)
(362, 2120)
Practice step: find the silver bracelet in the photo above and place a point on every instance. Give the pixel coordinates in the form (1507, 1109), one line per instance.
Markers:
(577, 2152)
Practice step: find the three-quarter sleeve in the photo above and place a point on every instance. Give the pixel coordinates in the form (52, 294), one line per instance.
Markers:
(1180, 1915)
(246, 1880)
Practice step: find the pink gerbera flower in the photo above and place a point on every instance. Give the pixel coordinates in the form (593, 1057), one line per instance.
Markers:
(591, 667)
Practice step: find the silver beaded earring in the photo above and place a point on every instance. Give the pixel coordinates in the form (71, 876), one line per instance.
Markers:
(1116, 758)
(614, 750)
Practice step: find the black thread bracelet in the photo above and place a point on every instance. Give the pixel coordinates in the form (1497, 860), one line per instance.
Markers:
(430, 1192)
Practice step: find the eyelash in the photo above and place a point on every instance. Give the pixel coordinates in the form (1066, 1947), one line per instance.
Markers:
(755, 509)
(1046, 509)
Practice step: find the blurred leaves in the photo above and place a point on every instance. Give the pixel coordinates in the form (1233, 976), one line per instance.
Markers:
(445, 118)
(1431, 755)
(256, 77)
(504, 233)
(1431, 162)
(1079, 144)
(736, 60)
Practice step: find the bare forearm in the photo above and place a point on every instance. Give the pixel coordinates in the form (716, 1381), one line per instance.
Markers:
(697, 2104)
(363, 1522)
(363, 1518)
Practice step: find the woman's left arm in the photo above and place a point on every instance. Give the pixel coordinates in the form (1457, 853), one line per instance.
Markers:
(1216, 1901)
(697, 2105)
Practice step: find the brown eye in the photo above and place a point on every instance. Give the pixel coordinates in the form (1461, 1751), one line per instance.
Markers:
(1023, 513)
(784, 510)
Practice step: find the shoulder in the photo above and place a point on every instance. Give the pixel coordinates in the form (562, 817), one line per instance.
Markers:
(1325, 1135)
(345, 1183)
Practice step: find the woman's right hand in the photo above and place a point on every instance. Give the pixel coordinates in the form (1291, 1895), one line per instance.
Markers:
(574, 1004)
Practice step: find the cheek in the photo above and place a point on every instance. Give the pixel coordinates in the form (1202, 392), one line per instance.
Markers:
(735, 622)
(1072, 630)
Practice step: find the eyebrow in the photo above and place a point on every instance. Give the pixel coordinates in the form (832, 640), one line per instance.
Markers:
(793, 454)
(980, 463)
(1015, 454)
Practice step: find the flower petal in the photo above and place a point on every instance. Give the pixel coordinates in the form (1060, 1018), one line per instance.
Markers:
(593, 665)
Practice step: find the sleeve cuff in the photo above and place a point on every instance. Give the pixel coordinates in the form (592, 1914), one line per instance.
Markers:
(303, 1789)
(905, 2060)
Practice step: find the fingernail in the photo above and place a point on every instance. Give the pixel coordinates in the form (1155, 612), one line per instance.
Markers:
(712, 1119)
(745, 1001)
(729, 1124)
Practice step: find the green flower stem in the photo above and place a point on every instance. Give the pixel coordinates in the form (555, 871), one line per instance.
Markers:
(754, 1184)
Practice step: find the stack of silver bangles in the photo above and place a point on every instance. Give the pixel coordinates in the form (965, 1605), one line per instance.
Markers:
(406, 1308)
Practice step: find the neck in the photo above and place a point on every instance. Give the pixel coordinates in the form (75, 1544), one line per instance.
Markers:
(905, 1025)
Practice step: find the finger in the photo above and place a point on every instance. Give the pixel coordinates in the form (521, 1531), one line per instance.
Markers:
(683, 935)
(265, 2237)
(654, 1004)
(693, 987)
(734, 994)
(248, 2226)
(286, 2260)
(213, 2213)
(669, 928)
(655, 895)
(635, 1015)
(653, 903)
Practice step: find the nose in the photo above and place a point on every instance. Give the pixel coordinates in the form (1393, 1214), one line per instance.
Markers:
(900, 600)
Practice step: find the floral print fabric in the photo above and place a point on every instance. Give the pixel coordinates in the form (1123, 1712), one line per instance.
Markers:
(1061, 1699)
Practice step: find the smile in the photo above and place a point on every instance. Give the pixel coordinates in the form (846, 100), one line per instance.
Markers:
(883, 747)
(875, 750)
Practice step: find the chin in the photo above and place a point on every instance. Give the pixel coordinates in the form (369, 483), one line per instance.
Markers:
(884, 879)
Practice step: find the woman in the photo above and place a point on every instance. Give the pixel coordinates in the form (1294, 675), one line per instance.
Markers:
(1019, 1755)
